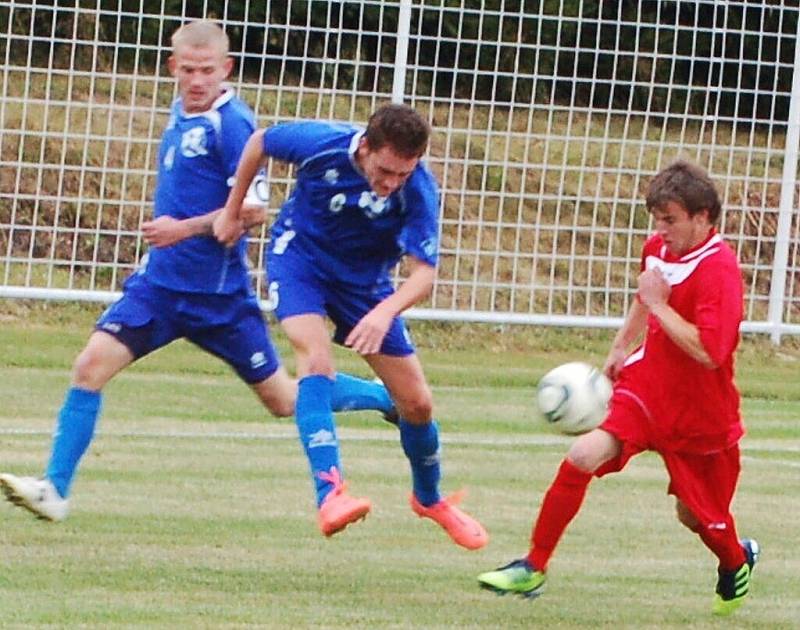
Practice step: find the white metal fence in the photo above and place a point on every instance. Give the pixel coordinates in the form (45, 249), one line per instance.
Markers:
(549, 118)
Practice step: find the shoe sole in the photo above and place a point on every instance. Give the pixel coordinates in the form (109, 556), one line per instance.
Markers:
(20, 501)
(728, 608)
(523, 594)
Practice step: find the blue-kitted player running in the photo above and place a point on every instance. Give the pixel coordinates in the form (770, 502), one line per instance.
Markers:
(362, 201)
(190, 285)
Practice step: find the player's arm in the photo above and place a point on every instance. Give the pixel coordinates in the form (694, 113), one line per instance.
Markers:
(164, 231)
(367, 335)
(654, 292)
(631, 331)
(228, 225)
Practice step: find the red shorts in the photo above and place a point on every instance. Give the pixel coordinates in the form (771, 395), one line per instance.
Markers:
(705, 483)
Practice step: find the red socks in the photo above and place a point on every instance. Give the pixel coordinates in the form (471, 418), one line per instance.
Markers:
(561, 503)
(563, 499)
(724, 543)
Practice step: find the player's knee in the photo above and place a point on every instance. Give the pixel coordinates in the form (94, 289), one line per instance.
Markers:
(591, 450)
(417, 408)
(278, 393)
(686, 517)
(320, 363)
(86, 370)
(280, 408)
(584, 456)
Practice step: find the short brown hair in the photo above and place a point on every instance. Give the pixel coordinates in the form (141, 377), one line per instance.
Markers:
(687, 184)
(400, 127)
(201, 33)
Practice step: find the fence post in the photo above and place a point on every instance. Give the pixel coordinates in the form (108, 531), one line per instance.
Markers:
(777, 290)
(401, 53)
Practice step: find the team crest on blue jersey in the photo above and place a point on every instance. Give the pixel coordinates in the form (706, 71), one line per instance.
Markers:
(430, 247)
(331, 176)
(193, 142)
(337, 202)
(373, 205)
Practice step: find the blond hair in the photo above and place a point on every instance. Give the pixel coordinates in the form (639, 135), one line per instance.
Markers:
(200, 34)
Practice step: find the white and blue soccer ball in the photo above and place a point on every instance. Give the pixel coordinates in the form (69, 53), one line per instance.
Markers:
(573, 397)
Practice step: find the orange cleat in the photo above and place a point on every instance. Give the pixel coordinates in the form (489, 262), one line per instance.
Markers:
(339, 509)
(462, 528)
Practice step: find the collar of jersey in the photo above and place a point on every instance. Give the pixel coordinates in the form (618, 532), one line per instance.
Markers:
(351, 151)
(712, 240)
(227, 94)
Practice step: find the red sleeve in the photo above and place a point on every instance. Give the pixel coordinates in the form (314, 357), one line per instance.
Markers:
(718, 311)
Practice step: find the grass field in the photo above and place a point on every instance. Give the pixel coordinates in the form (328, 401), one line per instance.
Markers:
(194, 509)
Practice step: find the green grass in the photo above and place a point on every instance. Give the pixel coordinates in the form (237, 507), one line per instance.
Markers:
(194, 509)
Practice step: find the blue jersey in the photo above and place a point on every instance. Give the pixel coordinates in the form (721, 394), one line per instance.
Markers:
(196, 162)
(336, 218)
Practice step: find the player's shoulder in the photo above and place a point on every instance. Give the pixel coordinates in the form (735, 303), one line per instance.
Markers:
(422, 182)
(423, 175)
(715, 250)
(233, 109)
(420, 192)
(724, 253)
(319, 128)
(227, 110)
(306, 141)
(316, 132)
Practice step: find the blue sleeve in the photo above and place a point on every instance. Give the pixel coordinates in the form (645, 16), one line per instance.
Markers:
(237, 127)
(420, 234)
(295, 142)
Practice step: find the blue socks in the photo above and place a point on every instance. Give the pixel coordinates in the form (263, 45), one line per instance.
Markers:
(74, 432)
(421, 446)
(314, 418)
(351, 393)
(318, 397)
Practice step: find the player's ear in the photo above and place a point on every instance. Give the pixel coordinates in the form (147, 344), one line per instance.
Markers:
(227, 66)
(363, 147)
(172, 65)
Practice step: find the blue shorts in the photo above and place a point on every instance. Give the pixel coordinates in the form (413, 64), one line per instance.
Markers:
(298, 286)
(231, 327)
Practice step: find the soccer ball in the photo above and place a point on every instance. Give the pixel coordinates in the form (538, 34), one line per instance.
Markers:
(573, 397)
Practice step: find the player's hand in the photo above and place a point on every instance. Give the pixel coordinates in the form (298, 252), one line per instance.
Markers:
(164, 231)
(653, 288)
(369, 332)
(253, 215)
(227, 230)
(614, 363)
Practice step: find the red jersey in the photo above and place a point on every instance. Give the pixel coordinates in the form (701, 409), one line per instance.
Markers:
(692, 409)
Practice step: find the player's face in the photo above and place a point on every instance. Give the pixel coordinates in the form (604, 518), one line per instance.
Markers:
(200, 71)
(681, 231)
(384, 169)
